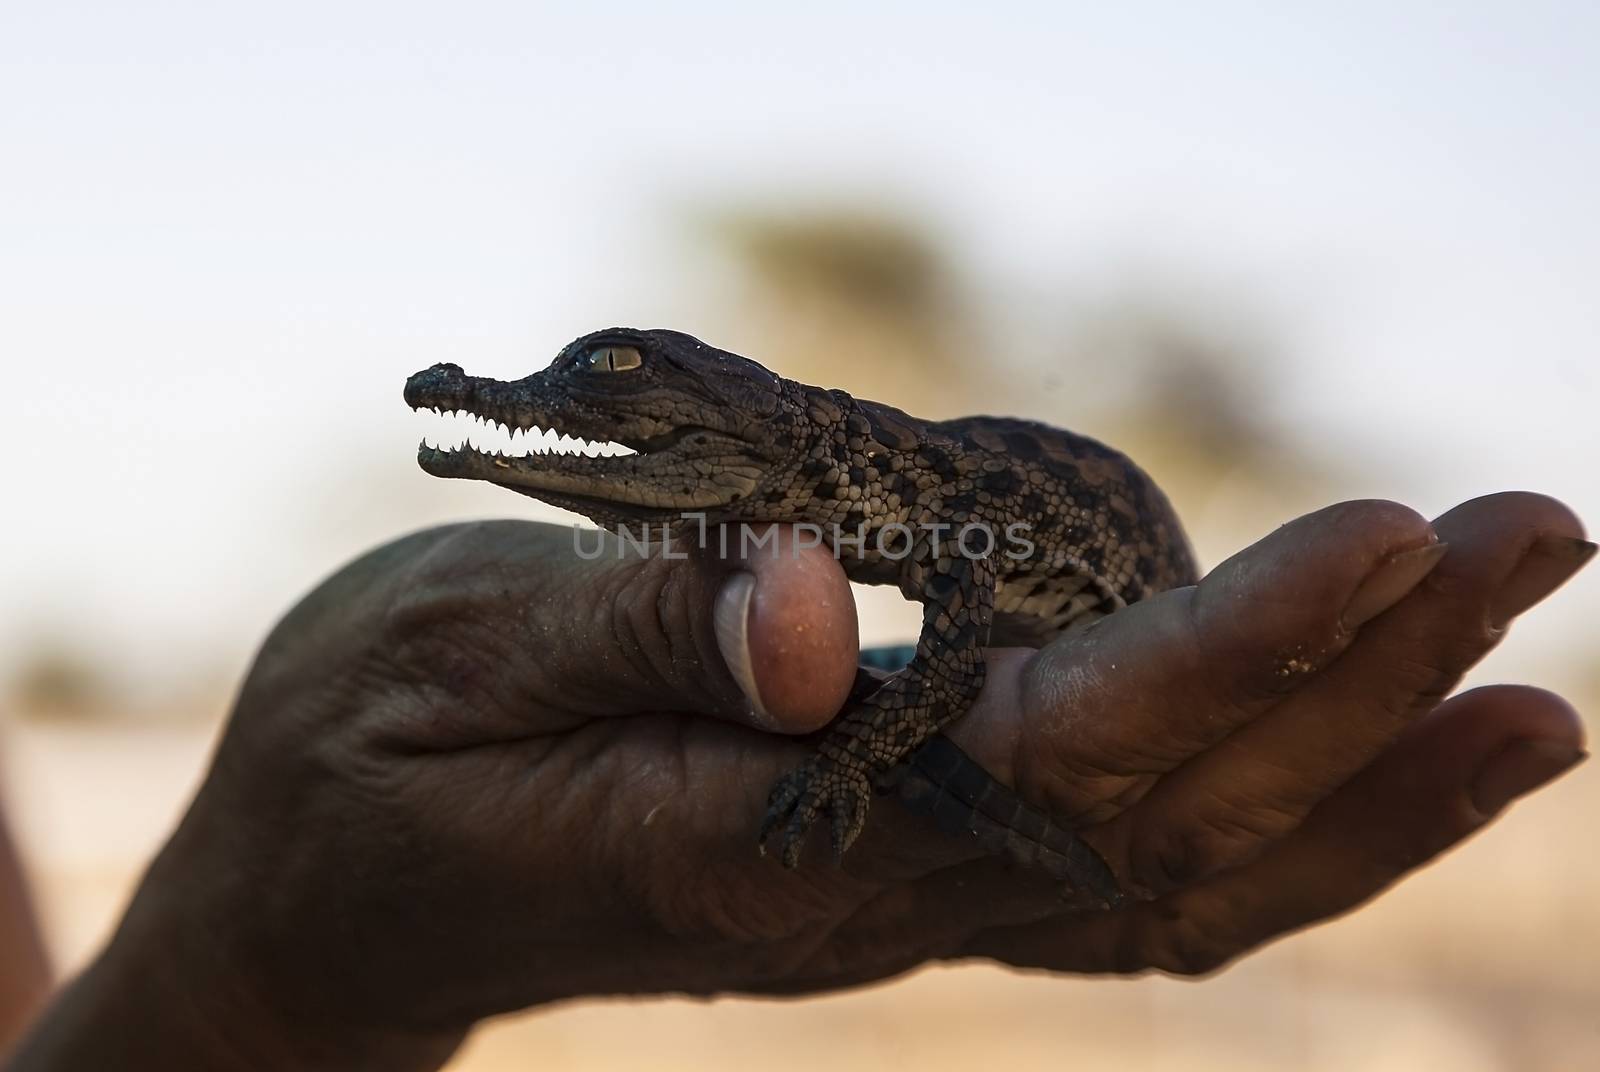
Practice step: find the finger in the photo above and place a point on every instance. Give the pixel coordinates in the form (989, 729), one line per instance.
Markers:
(782, 620)
(1221, 808)
(785, 625)
(1447, 777)
(1106, 711)
(764, 636)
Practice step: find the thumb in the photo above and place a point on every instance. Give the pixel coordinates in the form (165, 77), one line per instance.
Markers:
(785, 624)
(760, 634)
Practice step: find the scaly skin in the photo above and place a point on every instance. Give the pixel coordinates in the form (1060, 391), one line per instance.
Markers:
(721, 440)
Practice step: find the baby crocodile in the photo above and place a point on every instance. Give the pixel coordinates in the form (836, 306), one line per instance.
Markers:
(1008, 532)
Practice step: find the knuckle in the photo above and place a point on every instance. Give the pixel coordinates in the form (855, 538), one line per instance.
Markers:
(1193, 960)
(1179, 944)
(1079, 782)
(1387, 858)
(1539, 510)
(1367, 514)
(650, 615)
(1240, 668)
(1421, 684)
(1222, 833)
(1374, 524)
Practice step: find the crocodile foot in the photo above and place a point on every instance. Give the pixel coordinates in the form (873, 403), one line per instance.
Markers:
(818, 786)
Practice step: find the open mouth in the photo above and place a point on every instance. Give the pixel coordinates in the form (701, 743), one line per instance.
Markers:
(571, 453)
(529, 455)
(501, 444)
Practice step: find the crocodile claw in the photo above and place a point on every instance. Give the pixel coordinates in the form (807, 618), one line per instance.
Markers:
(806, 793)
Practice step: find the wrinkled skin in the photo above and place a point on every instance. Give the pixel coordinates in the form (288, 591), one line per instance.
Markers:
(471, 773)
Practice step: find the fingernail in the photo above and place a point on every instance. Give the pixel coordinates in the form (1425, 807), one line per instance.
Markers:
(731, 618)
(1388, 584)
(1519, 768)
(1546, 567)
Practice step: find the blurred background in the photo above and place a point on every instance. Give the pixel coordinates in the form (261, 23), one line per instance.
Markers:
(1283, 256)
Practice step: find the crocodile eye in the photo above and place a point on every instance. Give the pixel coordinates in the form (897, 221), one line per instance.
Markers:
(613, 359)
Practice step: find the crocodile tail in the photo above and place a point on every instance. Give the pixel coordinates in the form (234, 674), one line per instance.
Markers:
(942, 781)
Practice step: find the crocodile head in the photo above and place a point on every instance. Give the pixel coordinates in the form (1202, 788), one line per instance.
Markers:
(658, 423)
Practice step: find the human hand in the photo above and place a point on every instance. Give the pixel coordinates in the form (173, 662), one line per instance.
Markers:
(472, 773)
(1275, 746)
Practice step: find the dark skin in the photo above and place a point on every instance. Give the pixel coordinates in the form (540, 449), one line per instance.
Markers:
(472, 773)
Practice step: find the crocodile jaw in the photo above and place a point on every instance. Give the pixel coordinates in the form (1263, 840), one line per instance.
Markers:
(580, 454)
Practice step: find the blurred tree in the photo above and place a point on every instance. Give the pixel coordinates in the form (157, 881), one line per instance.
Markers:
(1200, 395)
(852, 298)
(56, 679)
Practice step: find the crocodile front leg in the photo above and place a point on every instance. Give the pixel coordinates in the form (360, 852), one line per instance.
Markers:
(881, 731)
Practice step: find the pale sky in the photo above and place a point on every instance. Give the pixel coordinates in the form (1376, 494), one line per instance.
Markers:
(227, 236)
